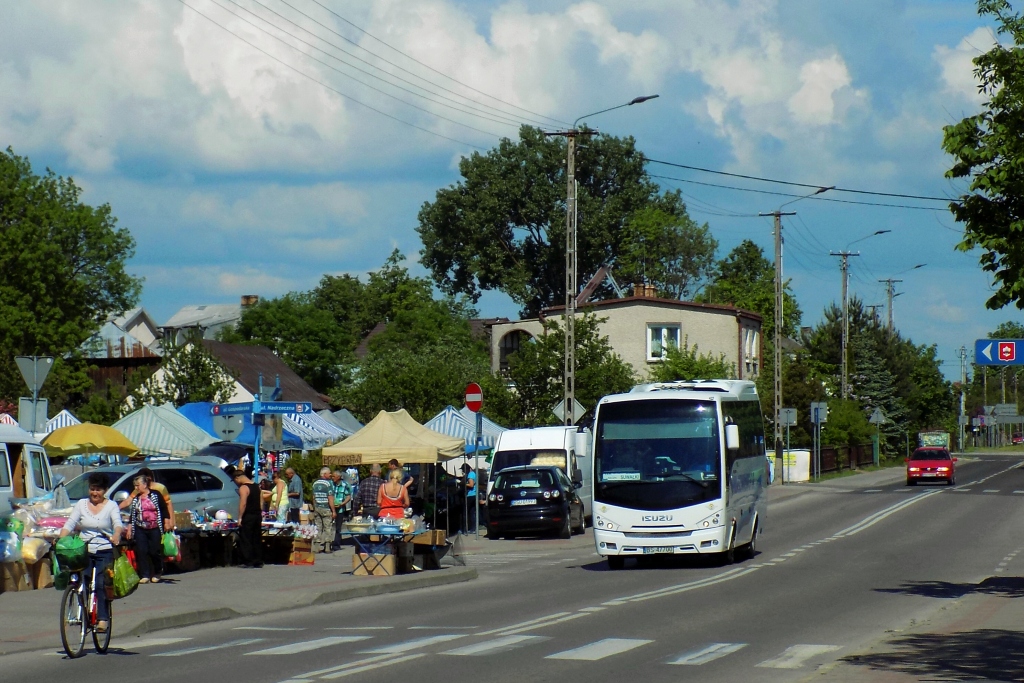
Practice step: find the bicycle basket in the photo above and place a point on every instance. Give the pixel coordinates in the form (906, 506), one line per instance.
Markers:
(71, 553)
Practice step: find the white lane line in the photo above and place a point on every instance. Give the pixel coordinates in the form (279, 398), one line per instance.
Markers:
(208, 648)
(556, 615)
(1018, 491)
(358, 628)
(593, 609)
(415, 644)
(370, 667)
(707, 654)
(1000, 569)
(522, 629)
(682, 587)
(268, 628)
(600, 649)
(991, 491)
(961, 488)
(793, 657)
(877, 517)
(442, 628)
(308, 645)
(872, 490)
(155, 642)
(320, 672)
(490, 647)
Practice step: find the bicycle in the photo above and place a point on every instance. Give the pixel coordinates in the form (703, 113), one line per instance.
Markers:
(78, 614)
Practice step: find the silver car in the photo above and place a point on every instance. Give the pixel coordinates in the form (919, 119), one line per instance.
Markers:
(194, 486)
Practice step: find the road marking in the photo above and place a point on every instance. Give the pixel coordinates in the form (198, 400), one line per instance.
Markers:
(208, 648)
(870, 521)
(600, 649)
(872, 490)
(320, 672)
(794, 657)
(415, 644)
(593, 609)
(490, 647)
(1018, 491)
(958, 489)
(358, 628)
(991, 491)
(268, 628)
(307, 645)
(370, 667)
(556, 615)
(149, 642)
(707, 654)
(521, 629)
(442, 628)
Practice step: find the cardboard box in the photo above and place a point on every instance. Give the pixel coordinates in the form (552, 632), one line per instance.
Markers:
(15, 576)
(432, 537)
(42, 574)
(302, 552)
(378, 565)
(183, 520)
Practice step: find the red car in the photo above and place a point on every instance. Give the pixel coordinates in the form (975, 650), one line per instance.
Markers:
(931, 464)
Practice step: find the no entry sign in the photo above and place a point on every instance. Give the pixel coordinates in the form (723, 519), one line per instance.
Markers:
(474, 397)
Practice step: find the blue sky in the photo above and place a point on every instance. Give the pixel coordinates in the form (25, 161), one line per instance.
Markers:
(238, 175)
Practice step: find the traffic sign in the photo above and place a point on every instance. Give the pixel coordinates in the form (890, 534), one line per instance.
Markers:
(231, 408)
(999, 352)
(819, 412)
(787, 417)
(474, 397)
(281, 407)
(228, 427)
(877, 417)
(578, 411)
(34, 369)
(32, 414)
(1005, 409)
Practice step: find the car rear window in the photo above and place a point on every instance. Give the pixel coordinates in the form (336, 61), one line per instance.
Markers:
(930, 455)
(177, 480)
(524, 480)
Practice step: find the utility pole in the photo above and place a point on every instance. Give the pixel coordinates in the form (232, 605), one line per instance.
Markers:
(889, 295)
(844, 266)
(963, 393)
(778, 327)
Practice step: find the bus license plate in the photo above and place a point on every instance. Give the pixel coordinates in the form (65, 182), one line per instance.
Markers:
(658, 550)
(524, 501)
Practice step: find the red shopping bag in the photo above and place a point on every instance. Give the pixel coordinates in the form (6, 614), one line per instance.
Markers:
(130, 554)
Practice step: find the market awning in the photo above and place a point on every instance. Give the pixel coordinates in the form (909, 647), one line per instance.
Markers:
(454, 423)
(61, 419)
(162, 430)
(393, 435)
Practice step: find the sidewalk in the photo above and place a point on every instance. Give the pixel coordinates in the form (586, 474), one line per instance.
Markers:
(28, 619)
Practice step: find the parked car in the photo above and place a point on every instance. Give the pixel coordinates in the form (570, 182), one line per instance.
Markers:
(192, 485)
(931, 464)
(530, 499)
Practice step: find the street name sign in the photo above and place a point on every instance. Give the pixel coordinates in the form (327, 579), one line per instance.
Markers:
(999, 352)
(282, 407)
(1005, 409)
(231, 408)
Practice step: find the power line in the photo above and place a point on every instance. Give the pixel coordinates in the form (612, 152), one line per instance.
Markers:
(787, 182)
(329, 87)
(427, 66)
(798, 196)
(349, 76)
(488, 112)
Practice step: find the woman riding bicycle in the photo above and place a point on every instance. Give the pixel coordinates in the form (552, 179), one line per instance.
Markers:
(98, 520)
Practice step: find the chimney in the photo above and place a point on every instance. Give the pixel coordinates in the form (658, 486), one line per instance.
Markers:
(638, 289)
(250, 300)
(645, 291)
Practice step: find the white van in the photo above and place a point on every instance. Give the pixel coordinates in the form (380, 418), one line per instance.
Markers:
(24, 468)
(564, 447)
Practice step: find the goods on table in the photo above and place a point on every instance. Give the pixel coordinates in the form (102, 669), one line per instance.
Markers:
(34, 549)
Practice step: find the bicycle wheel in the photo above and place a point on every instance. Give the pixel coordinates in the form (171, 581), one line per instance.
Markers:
(102, 640)
(73, 621)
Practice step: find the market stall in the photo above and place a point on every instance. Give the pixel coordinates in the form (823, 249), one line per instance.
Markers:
(393, 435)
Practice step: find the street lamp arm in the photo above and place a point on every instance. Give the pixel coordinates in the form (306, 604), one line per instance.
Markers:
(635, 100)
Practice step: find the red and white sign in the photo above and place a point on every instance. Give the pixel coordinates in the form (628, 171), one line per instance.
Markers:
(474, 397)
(1007, 351)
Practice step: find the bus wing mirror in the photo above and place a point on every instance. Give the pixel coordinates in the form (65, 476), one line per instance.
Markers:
(732, 437)
(577, 477)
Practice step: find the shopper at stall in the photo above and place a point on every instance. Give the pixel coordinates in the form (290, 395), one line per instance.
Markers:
(469, 484)
(250, 545)
(392, 497)
(408, 481)
(98, 521)
(147, 515)
(342, 502)
(277, 497)
(368, 490)
(159, 488)
(294, 495)
(323, 511)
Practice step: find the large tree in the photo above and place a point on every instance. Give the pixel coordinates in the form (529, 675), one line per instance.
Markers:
(62, 273)
(502, 226)
(988, 151)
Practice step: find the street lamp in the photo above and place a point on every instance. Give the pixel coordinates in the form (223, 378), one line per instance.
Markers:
(778, 214)
(569, 371)
(889, 286)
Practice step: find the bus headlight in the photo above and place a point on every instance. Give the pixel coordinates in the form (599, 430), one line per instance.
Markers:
(710, 521)
(605, 524)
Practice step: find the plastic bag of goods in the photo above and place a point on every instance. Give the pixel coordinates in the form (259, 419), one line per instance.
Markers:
(10, 546)
(12, 524)
(34, 549)
(71, 552)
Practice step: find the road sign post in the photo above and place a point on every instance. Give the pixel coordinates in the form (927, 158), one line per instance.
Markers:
(878, 419)
(788, 417)
(475, 401)
(819, 415)
(34, 370)
(999, 352)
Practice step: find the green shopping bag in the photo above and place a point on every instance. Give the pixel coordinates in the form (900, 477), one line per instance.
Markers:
(125, 578)
(71, 553)
(170, 544)
(61, 576)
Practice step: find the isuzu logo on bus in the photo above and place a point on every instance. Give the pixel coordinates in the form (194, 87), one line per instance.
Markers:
(656, 518)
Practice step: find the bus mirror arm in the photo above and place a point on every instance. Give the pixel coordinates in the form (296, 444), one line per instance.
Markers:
(577, 477)
(732, 437)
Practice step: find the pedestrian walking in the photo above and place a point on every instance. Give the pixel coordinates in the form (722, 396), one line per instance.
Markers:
(323, 511)
(294, 495)
(146, 519)
(342, 505)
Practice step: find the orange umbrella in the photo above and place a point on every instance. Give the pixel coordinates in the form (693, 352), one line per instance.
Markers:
(88, 438)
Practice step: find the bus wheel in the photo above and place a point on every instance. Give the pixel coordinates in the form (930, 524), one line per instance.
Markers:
(616, 562)
(750, 549)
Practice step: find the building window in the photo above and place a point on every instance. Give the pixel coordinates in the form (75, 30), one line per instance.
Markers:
(508, 345)
(660, 340)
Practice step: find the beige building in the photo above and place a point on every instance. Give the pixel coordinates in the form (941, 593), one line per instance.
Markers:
(642, 328)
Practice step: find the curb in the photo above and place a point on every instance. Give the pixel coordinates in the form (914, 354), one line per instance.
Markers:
(396, 584)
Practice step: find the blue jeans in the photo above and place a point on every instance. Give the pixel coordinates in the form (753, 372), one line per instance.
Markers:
(471, 514)
(100, 560)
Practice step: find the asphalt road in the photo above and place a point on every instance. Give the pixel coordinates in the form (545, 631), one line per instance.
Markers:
(838, 568)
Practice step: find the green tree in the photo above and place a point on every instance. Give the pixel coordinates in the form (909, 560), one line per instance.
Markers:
(533, 384)
(847, 425)
(666, 250)
(875, 388)
(688, 363)
(187, 373)
(502, 227)
(63, 274)
(988, 149)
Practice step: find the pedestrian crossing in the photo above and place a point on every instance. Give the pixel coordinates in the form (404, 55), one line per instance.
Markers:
(368, 652)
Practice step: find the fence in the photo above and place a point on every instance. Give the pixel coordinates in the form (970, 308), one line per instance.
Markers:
(835, 458)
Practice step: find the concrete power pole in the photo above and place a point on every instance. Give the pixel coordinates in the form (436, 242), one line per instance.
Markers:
(963, 393)
(889, 296)
(569, 393)
(844, 266)
(778, 328)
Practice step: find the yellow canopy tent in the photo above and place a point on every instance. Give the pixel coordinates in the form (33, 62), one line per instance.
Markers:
(393, 435)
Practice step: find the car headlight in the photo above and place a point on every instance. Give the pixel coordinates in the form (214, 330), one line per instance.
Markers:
(913, 469)
(492, 497)
(943, 469)
(547, 494)
(554, 494)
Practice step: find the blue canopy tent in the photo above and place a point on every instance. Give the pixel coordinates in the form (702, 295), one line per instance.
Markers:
(491, 429)
(461, 425)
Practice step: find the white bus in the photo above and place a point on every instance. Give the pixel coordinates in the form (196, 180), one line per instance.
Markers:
(679, 467)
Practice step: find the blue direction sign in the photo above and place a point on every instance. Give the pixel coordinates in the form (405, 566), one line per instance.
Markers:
(281, 407)
(231, 408)
(999, 352)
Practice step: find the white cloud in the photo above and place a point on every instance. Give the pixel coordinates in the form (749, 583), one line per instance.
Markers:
(957, 66)
(820, 81)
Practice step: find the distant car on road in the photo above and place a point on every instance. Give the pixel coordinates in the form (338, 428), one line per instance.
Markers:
(931, 464)
(529, 499)
(1018, 437)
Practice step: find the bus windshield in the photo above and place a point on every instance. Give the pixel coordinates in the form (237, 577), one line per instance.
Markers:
(657, 454)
